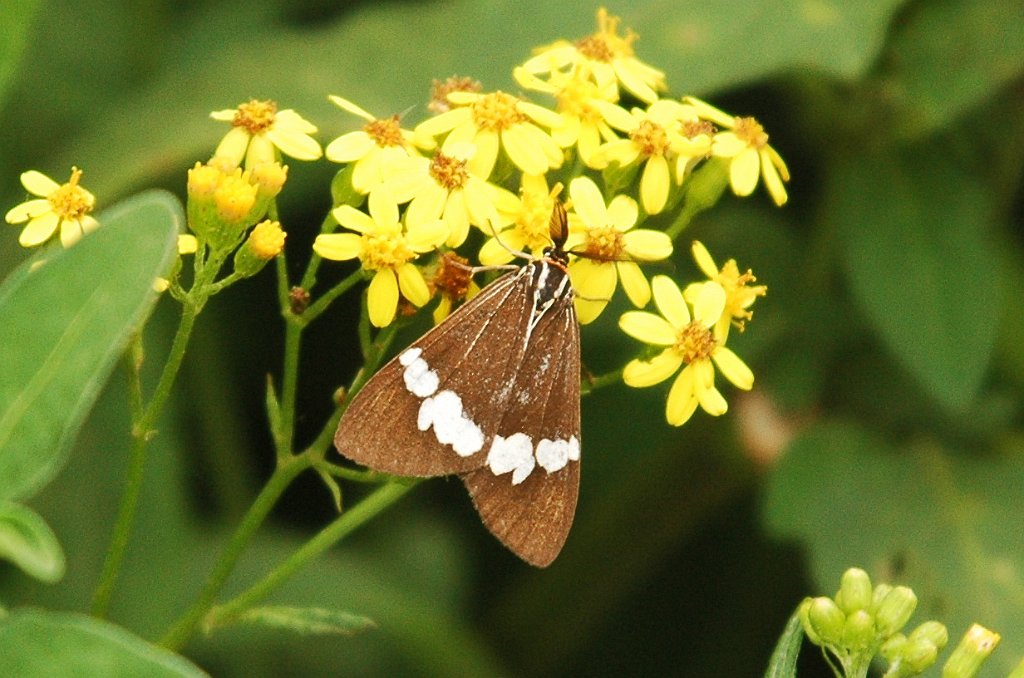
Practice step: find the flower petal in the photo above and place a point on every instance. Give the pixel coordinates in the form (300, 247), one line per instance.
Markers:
(594, 283)
(712, 402)
(428, 205)
(349, 147)
(525, 149)
(338, 246)
(38, 183)
(347, 105)
(623, 212)
(634, 283)
(704, 260)
(487, 145)
(682, 399)
(646, 245)
(295, 143)
(733, 368)
(772, 180)
(353, 219)
(232, 146)
(643, 373)
(413, 286)
(654, 184)
(382, 298)
(743, 172)
(670, 302)
(588, 202)
(30, 209)
(648, 328)
(709, 303)
(71, 231)
(38, 230)
(427, 235)
(445, 122)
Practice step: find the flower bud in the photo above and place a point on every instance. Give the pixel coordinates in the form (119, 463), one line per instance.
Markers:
(858, 631)
(892, 648)
(264, 243)
(854, 591)
(933, 631)
(878, 595)
(975, 647)
(918, 655)
(805, 621)
(826, 619)
(203, 181)
(895, 611)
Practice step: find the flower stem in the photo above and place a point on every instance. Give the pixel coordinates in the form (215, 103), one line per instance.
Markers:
(283, 475)
(142, 433)
(337, 530)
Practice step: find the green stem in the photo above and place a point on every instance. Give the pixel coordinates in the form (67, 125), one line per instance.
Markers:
(283, 475)
(337, 530)
(321, 304)
(284, 436)
(594, 383)
(142, 433)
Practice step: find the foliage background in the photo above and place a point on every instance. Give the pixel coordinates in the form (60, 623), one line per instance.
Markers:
(885, 429)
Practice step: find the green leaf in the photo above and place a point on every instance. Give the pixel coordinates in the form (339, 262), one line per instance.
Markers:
(946, 525)
(307, 620)
(920, 264)
(39, 643)
(28, 542)
(783, 661)
(950, 55)
(16, 18)
(67, 316)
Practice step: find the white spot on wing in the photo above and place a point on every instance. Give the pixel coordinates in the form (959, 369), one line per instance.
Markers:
(514, 453)
(409, 355)
(552, 455)
(419, 378)
(451, 426)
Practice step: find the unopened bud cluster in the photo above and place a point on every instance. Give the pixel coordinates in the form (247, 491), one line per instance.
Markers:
(864, 620)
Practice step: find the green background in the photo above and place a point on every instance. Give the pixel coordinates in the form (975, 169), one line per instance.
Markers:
(884, 430)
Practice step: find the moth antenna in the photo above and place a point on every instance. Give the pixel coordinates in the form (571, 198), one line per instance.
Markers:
(515, 253)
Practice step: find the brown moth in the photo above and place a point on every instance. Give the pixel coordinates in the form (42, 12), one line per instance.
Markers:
(491, 394)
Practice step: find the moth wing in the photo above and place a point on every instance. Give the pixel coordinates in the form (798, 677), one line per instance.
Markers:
(380, 426)
(533, 518)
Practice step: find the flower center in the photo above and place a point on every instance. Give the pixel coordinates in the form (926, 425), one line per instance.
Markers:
(691, 129)
(750, 131)
(650, 137)
(603, 243)
(449, 172)
(439, 92)
(575, 98)
(255, 116)
(70, 201)
(695, 342)
(385, 249)
(606, 44)
(385, 131)
(740, 294)
(496, 111)
(453, 276)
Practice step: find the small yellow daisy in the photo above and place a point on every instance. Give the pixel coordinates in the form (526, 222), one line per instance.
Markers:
(497, 121)
(386, 248)
(258, 128)
(376, 151)
(745, 143)
(608, 247)
(524, 221)
(688, 340)
(740, 295)
(59, 206)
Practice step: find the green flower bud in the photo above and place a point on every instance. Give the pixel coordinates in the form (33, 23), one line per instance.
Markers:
(918, 655)
(805, 621)
(975, 647)
(893, 647)
(878, 595)
(854, 591)
(933, 631)
(858, 631)
(263, 244)
(895, 611)
(826, 619)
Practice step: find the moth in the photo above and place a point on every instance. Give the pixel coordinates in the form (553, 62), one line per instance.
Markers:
(491, 394)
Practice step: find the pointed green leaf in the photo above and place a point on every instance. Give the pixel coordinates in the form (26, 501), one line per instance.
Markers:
(28, 542)
(920, 264)
(67, 316)
(307, 620)
(45, 644)
(783, 661)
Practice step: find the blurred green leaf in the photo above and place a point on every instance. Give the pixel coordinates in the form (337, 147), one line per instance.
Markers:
(946, 525)
(920, 263)
(66, 317)
(38, 643)
(28, 542)
(949, 55)
(783, 661)
(307, 620)
(16, 18)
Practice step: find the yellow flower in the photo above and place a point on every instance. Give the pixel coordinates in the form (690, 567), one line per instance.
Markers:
(689, 341)
(387, 249)
(739, 294)
(497, 121)
(439, 92)
(453, 283)
(523, 221)
(745, 145)
(605, 54)
(257, 128)
(60, 206)
(376, 151)
(582, 105)
(608, 248)
(444, 187)
(654, 136)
